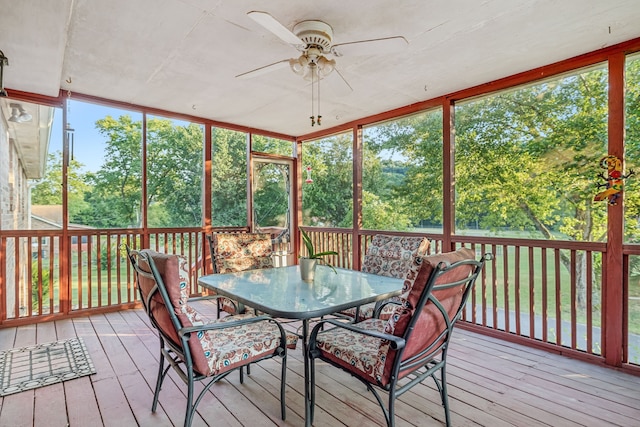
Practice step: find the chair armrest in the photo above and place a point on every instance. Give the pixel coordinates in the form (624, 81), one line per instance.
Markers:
(238, 306)
(396, 342)
(205, 298)
(380, 305)
(223, 325)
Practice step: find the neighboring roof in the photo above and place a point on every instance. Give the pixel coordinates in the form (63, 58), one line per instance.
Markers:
(39, 223)
(49, 213)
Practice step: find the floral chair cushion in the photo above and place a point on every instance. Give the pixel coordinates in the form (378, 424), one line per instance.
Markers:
(365, 312)
(224, 349)
(372, 358)
(389, 256)
(291, 337)
(213, 351)
(356, 352)
(240, 252)
(292, 340)
(392, 255)
(183, 274)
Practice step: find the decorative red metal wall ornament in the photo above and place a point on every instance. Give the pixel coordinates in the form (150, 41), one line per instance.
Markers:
(614, 179)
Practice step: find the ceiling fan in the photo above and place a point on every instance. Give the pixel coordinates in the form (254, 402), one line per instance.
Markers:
(314, 40)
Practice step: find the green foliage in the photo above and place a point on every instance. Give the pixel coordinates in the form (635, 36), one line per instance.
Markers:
(378, 214)
(229, 178)
(115, 199)
(265, 144)
(328, 200)
(525, 159)
(410, 180)
(632, 151)
(108, 253)
(48, 191)
(174, 176)
(174, 168)
(271, 194)
(35, 279)
(311, 251)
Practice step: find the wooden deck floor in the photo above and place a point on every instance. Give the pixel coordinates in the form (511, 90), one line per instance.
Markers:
(491, 383)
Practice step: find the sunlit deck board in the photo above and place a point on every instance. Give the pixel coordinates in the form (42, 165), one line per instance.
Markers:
(491, 383)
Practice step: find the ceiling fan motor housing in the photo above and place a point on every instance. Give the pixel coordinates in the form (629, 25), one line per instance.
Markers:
(315, 34)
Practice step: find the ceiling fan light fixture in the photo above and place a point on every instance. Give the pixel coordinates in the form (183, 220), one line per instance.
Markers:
(310, 74)
(296, 67)
(326, 66)
(299, 65)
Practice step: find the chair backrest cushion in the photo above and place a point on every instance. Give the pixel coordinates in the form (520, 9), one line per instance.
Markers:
(430, 322)
(392, 255)
(174, 273)
(242, 251)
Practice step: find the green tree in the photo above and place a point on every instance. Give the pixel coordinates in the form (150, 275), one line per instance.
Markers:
(632, 152)
(36, 282)
(174, 175)
(117, 186)
(270, 145)
(174, 168)
(229, 178)
(271, 194)
(48, 191)
(328, 201)
(413, 183)
(380, 215)
(525, 159)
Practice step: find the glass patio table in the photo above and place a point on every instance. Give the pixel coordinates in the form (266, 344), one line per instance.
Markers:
(281, 293)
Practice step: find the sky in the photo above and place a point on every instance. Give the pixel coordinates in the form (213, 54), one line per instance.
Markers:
(89, 144)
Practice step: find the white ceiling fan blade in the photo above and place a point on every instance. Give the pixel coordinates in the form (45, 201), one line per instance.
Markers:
(271, 24)
(264, 70)
(371, 47)
(336, 84)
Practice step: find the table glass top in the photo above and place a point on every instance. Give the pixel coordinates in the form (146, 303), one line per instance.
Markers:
(281, 292)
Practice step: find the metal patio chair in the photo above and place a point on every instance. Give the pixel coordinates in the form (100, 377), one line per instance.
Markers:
(389, 256)
(396, 354)
(233, 252)
(197, 350)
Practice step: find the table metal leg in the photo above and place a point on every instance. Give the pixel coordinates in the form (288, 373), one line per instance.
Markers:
(308, 414)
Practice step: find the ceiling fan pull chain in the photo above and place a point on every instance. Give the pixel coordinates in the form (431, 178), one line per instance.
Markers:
(313, 115)
(319, 116)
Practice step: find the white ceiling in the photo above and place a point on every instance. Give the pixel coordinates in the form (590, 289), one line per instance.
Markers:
(183, 55)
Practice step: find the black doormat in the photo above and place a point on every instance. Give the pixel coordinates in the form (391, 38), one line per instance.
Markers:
(39, 365)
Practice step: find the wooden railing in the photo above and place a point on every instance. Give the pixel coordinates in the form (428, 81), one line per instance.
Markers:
(42, 278)
(545, 293)
(539, 292)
